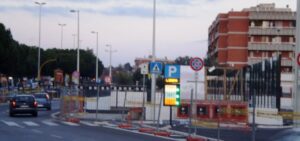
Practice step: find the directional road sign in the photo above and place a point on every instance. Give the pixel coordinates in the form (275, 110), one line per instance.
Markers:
(196, 64)
(155, 67)
(172, 71)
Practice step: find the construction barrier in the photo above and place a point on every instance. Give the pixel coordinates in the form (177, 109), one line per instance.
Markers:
(207, 113)
(72, 105)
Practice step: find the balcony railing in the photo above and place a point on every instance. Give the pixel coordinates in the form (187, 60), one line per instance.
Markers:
(254, 30)
(272, 15)
(269, 46)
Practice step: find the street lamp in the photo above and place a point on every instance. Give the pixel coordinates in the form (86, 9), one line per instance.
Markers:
(153, 76)
(40, 4)
(74, 36)
(78, 54)
(62, 33)
(110, 51)
(94, 32)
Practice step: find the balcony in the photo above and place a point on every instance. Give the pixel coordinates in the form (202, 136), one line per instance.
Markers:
(268, 15)
(284, 62)
(254, 30)
(269, 46)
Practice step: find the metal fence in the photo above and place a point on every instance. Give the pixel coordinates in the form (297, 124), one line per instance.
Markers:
(260, 80)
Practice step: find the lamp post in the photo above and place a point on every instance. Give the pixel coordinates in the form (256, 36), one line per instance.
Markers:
(40, 4)
(61, 34)
(110, 51)
(153, 76)
(96, 75)
(74, 40)
(78, 53)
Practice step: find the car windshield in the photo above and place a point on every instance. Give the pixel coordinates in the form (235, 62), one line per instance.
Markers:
(24, 98)
(40, 96)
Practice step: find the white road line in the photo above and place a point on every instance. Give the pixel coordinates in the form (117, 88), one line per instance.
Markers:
(70, 123)
(10, 123)
(56, 136)
(36, 131)
(30, 123)
(49, 123)
(88, 123)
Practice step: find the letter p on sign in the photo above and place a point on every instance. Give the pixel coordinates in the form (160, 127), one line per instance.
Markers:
(172, 71)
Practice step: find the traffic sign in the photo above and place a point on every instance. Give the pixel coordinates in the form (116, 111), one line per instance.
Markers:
(144, 68)
(298, 59)
(155, 68)
(172, 71)
(196, 63)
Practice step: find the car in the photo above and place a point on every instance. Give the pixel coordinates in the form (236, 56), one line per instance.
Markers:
(22, 104)
(287, 135)
(43, 100)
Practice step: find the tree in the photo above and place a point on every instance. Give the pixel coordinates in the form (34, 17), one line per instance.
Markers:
(20, 60)
(183, 60)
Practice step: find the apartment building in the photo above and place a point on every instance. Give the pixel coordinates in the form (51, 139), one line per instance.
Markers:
(240, 38)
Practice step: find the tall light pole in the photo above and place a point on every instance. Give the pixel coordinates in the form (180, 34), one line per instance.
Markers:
(40, 4)
(78, 38)
(61, 34)
(96, 75)
(153, 76)
(110, 51)
(74, 40)
(296, 92)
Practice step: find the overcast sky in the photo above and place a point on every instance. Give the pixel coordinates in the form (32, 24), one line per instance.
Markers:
(182, 25)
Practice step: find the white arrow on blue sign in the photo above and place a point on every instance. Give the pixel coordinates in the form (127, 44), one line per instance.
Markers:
(172, 71)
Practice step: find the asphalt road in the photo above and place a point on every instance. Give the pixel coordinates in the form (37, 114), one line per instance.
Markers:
(235, 134)
(44, 128)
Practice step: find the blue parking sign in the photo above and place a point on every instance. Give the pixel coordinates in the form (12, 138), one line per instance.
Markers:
(172, 71)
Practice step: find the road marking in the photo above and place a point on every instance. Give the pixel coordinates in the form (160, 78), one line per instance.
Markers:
(88, 123)
(70, 123)
(49, 123)
(10, 123)
(56, 136)
(36, 131)
(30, 123)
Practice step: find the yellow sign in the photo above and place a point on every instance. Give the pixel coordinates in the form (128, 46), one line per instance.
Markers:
(172, 80)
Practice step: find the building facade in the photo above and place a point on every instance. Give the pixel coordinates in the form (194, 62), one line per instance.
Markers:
(240, 38)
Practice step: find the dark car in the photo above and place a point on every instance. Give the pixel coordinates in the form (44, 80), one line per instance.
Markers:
(43, 100)
(22, 104)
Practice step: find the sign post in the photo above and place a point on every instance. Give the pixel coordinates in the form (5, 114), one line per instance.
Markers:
(196, 64)
(172, 87)
(144, 71)
(155, 69)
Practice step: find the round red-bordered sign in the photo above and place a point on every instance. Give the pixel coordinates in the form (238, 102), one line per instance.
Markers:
(298, 59)
(196, 63)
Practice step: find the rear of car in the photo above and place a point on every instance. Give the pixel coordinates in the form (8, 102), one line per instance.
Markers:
(23, 104)
(43, 100)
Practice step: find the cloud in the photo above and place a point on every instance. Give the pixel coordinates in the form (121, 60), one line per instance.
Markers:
(138, 8)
